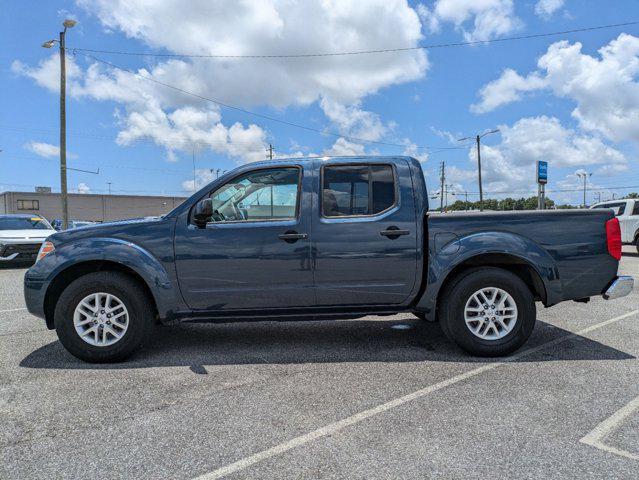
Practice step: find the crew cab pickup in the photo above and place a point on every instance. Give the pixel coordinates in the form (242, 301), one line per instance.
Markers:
(321, 238)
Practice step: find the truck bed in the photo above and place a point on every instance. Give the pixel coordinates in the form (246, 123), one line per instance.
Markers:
(570, 244)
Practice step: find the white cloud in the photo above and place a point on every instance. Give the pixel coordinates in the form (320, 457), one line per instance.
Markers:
(489, 18)
(343, 147)
(612, 169)
(449, 136)
(176, 121)
(546, 8)
(414, 151)
(203, 176)
(506, 89)
(83, 188)
(510, 164)
(270, 27)
(46, 150)
(604, 89)
(352, 121)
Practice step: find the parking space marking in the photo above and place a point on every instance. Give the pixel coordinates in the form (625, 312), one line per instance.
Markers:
(335, 427)
(13, 310)
(609, 425)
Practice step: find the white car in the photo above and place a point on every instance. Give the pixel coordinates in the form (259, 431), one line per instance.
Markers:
(627, 211)
(21, 236)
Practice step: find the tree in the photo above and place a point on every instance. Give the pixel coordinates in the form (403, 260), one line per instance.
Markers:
(508, 203)
(633, 195)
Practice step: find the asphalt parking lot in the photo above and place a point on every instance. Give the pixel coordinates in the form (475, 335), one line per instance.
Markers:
(380, 397)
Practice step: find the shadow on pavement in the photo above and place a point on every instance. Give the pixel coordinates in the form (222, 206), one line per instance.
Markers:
(198, 344)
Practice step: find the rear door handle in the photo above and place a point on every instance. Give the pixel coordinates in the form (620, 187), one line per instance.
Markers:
(393, 232)
(292, 236)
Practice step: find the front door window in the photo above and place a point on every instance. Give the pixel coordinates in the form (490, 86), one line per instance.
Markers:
(260, 195)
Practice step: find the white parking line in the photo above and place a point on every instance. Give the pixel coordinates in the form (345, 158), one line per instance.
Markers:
(609, 425)
(13, 310)
(334, 427)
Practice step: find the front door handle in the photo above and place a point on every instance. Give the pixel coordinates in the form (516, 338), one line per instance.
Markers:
(292, 236)
(393, 232)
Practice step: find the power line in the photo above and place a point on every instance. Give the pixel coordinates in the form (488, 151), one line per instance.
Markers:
(363, 52)
(255, 114)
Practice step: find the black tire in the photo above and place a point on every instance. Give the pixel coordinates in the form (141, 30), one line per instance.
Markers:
(637, 244)
(141, 316)
(461, 289)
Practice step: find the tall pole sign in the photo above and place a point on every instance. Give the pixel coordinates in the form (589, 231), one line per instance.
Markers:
(542, 180)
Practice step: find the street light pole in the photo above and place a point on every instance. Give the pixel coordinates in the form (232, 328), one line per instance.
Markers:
(481, 192)
(63, 122)
(585, 176)
(478, 140)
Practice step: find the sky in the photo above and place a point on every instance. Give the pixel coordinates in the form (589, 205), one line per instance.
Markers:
(160, 122)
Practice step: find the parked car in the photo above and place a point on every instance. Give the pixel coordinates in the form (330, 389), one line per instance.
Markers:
(321, 238)
(627, 212)
(21, 237)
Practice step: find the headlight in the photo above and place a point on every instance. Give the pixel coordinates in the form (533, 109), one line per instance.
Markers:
(45, 249)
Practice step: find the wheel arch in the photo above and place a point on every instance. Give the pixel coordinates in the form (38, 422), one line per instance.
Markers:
(519, 266)
(77, 270)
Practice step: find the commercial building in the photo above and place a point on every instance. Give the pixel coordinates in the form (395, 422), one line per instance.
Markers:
(95, 208)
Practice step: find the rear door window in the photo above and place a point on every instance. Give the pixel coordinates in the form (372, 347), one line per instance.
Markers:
(357, 190)
(635, 211)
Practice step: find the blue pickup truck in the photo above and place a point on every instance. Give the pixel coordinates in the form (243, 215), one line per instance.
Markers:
(321, 238)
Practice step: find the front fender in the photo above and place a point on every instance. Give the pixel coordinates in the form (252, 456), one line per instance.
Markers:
(146, 265)
(447, 253)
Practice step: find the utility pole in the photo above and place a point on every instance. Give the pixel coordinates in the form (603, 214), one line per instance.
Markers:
(63, 122)
(270, 151)
(481, 192)
(478, 140)
(109, 184)
(585, 177)
(447, 190)
(442, 177)
(193, 154)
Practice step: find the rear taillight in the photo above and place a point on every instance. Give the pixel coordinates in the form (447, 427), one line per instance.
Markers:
(613, 237)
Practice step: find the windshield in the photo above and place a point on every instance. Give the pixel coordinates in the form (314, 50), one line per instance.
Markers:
(24, 223)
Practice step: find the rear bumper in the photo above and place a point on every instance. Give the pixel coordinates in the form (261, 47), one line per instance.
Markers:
(620, 287)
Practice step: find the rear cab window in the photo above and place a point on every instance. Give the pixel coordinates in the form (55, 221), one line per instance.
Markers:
(617, 207)
(357, 190)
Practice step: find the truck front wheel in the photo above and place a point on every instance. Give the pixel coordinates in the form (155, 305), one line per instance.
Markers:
(487, 311)
(103, 317)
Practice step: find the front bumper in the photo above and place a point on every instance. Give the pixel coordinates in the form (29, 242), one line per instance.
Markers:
(620, 287)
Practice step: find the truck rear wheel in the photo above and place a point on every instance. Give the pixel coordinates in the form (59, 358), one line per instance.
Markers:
(489, 312)
(637, 244)
(103, 317)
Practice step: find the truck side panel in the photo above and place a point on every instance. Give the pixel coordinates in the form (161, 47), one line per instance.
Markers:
(567, 249)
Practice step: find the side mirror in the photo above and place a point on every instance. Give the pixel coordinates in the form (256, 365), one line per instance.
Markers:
(203, 212)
